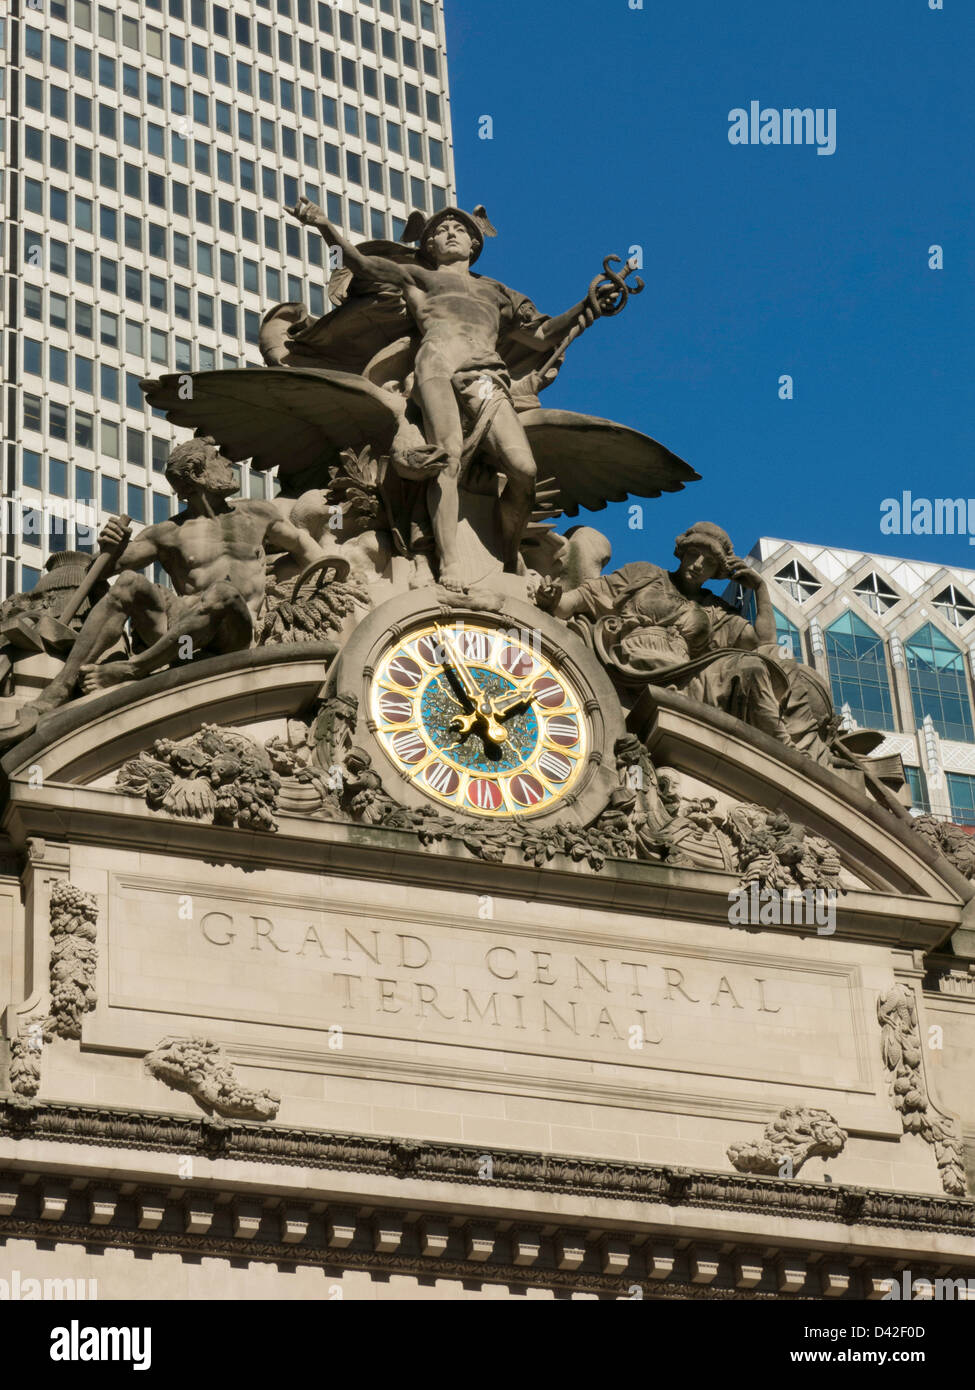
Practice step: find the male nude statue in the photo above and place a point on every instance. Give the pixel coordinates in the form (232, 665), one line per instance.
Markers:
(461, 318)
(213, 551)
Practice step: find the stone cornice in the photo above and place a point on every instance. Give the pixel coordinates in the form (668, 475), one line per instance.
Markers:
(455, 1163)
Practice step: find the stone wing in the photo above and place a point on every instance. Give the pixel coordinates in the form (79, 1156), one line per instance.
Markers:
(285, 418)
(593, 461)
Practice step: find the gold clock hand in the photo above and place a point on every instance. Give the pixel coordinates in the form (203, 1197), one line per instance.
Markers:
(454, 662)
(482, 705)
(512, 703)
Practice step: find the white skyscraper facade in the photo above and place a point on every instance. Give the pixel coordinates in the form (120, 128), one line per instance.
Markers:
(149, 151)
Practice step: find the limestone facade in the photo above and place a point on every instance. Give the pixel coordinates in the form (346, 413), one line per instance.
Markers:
(334, 1061)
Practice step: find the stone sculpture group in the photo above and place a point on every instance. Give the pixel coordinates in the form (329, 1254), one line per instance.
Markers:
(413, 456)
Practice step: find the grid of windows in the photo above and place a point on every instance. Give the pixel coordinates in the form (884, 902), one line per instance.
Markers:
(858, 672)
(939, 686)
(881, 673)
(157, 155)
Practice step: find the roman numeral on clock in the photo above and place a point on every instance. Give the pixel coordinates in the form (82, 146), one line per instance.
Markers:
(409, 746)
(429, 649)
(549, 693)
(563, 730)
(397, 709)
(527, 791)
(485, 795)
(476, 646)
(404, 671)
(554, 765)
(442, 779)
(516, 662)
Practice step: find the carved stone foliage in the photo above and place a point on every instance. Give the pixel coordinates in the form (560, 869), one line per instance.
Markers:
(25, 1062)
(226, 778)
(796, 1134)
(776, 852)
(901, 1042)
(294, 616)
(950, 840)
(73, 918)
(216, 776)
(765, 847)
(74, 915)
(198, 1067)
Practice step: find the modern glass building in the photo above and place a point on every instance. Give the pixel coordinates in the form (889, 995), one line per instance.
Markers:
(149, 148)
(896, 640)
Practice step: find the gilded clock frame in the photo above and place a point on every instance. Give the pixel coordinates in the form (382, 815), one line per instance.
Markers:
(402, 616)
(409, 646)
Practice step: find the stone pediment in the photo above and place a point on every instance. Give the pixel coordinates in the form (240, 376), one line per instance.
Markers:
(65, 782)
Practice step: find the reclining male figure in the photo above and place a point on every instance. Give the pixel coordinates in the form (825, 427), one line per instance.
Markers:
(214, 553)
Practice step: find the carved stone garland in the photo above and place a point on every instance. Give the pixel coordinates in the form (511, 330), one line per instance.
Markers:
(901, 1041)
(198, 1067)
(795, 1135)
(73, 917)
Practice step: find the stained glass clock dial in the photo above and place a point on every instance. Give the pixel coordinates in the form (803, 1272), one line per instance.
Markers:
(479, 719)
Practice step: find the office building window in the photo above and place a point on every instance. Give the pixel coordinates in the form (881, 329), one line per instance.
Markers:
(858, 672)
(32, 470)
(57, 421)
(920, 801)
(939, 685)
(57, 478)
(956, 606)
(961, 793)
(787, 636)
(798, 583)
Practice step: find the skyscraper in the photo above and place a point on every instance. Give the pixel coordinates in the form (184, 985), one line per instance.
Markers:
(896, 640)
(150, 150)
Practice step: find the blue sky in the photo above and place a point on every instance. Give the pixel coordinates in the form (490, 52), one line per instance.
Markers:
(611, 129)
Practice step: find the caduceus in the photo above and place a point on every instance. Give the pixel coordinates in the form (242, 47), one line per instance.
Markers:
(599, 308)
(613, 279)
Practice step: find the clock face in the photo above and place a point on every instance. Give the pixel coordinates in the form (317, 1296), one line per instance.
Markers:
(479, 720)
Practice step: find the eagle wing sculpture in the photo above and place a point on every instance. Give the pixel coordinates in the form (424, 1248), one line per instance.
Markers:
(281, 417)
(300, 419)
(593, 461)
